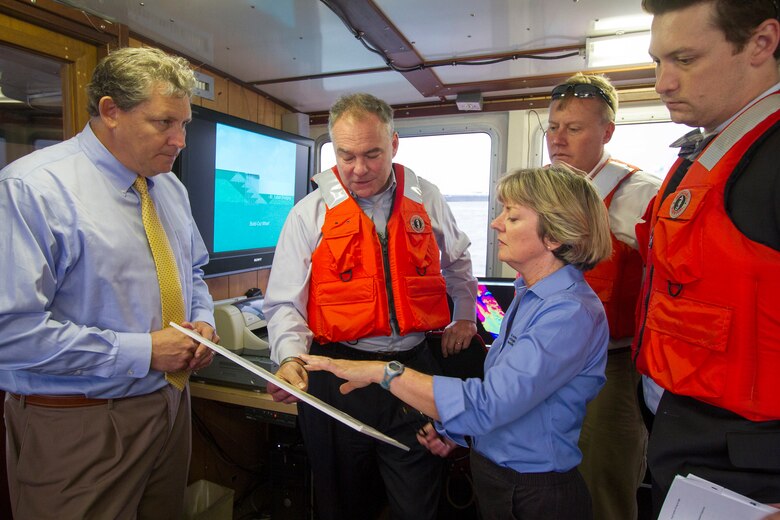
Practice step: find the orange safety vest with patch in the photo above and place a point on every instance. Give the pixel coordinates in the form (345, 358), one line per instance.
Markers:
(710, 324)
(348, 292)
(617, 280)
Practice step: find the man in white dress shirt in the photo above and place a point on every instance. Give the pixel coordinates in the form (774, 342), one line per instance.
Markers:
(362, 271)
(613, 439)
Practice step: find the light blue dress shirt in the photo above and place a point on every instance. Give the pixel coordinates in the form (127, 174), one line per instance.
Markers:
(79, 292)
(527, 412)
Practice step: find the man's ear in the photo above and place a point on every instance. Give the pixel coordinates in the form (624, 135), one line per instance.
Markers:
(109, 111)
(764, 41)
(608, 131)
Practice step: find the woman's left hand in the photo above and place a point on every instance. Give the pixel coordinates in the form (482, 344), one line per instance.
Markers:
(358, 374)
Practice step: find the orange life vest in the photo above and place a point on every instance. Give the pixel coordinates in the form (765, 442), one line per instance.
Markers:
(710, 325)
(348, 292)
(617, 280)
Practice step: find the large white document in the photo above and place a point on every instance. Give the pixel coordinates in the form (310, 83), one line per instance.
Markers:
(693, 498)
(297, 392)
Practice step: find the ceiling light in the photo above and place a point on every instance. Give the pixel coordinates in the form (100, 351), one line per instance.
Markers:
(614, 24)
(6, 99)
(618, 49)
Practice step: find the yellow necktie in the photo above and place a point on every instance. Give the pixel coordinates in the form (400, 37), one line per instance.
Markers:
(167, 272)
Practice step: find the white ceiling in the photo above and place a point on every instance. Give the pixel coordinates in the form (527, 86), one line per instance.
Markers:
(268, 40)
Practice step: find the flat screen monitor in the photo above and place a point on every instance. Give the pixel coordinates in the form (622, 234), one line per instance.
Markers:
(494, 295)
(243, 179)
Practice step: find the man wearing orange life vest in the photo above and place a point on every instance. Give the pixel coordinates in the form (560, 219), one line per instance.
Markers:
(362, 271)
(613, 438)
(708, 330)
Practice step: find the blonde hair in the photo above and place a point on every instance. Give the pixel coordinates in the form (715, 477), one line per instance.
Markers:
(570, 211)
(602, 83)
(129, 75)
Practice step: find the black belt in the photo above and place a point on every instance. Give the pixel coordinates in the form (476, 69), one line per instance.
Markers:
(342, 351)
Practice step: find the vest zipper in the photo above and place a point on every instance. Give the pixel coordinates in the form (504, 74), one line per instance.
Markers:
(388, 282)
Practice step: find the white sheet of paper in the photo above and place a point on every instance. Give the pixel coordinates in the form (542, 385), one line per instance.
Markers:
(297, 392)
(695, 497)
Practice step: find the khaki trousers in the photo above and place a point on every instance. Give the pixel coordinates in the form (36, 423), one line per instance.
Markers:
(614, 442)
(126, 459)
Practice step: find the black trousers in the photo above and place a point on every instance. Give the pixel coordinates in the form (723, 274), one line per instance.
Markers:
(690, 436)
(356, 475)
(503, 493)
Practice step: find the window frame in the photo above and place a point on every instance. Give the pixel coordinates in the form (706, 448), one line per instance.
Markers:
(495, 125)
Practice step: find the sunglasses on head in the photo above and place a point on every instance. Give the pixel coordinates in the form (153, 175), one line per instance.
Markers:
(580, 90)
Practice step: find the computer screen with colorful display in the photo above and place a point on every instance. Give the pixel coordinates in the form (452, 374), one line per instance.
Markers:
(494, 295)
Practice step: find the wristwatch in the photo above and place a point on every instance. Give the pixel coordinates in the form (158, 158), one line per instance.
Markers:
(392, 370)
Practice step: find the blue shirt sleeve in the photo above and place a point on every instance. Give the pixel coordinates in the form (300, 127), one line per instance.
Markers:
(80, 291)
(539, 375)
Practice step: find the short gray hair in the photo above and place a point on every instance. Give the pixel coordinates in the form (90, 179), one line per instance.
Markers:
(129, 75)
(570, 211)
(359, 105)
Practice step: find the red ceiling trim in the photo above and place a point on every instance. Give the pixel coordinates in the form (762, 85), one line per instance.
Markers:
(379, 32)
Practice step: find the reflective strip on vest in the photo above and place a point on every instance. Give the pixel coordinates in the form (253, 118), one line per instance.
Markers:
(333, 193)
(610, 175)
(737, 129)
(412, 189)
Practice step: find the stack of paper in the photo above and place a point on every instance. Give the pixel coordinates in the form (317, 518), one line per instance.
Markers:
(693, 498)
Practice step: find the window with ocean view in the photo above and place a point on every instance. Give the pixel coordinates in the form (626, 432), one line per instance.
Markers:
(459, 164)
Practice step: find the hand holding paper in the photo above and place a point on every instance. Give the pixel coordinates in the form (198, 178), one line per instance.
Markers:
(303, 396)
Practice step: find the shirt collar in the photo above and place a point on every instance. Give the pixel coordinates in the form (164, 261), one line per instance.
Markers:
(689, 143)
(604, 158)
(120, 176)
(553, 283)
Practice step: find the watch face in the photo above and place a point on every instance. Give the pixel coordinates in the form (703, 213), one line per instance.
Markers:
(393, 369)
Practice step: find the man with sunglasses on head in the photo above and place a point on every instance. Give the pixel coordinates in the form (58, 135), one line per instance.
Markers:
(709, 326)
(613, 439)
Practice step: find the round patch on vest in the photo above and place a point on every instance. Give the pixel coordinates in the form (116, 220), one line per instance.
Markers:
(680, 203)
(417, 223)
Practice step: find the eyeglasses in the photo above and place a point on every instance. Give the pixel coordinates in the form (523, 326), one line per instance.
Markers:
(580, 90)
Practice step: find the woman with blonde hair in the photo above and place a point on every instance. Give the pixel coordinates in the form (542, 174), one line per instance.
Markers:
(523, 419)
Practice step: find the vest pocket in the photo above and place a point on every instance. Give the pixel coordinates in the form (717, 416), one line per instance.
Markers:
(358, 290)
(677, 236)
(430, 308)
(346, 310)
(419, 234)
(689, 352)
(342, 240)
